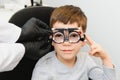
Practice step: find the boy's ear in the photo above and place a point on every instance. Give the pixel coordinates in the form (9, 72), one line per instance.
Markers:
(52, 43)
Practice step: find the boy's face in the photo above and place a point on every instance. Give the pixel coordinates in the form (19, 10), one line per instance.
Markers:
(67, 50)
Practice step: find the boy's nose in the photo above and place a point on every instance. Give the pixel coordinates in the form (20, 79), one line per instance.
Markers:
(66, 43)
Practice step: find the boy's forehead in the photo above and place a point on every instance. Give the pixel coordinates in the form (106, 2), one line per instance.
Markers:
(62, 25)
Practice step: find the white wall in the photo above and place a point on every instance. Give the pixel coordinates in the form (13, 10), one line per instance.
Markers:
(103, 23)
(9, 7)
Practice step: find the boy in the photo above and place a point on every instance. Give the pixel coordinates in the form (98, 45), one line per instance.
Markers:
(67, 62)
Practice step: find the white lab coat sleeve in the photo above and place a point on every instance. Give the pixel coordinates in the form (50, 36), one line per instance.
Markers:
(9, 33)
(10, 55)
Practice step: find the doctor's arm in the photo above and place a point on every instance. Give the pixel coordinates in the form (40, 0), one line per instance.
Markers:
(10, 55)
(17, 42)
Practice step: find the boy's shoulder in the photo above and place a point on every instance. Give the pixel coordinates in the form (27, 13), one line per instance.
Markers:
(47, 59)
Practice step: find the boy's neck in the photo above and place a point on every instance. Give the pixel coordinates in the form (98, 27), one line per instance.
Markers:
(70, 63)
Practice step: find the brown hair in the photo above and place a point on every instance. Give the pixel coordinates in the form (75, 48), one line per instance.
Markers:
(71, 14)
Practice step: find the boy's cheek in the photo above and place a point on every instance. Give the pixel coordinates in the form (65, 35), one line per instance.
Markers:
(74, 46)
(55, 45)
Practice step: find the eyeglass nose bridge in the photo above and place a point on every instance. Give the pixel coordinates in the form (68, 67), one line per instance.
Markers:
(66, 38)
(66, 35)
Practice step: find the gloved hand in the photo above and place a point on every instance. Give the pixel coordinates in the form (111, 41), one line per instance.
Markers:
(35, 37)
(36, 49)
(33, 29)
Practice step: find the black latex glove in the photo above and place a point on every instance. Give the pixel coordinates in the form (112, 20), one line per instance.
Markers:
(36, 49)
(33, 29)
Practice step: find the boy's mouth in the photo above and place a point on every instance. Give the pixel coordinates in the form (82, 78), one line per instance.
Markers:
(67, 51)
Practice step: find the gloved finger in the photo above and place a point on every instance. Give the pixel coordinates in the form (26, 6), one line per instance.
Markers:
(37, 49)
(41, 24)
(43, 52)
(38, 27)
(44, 32)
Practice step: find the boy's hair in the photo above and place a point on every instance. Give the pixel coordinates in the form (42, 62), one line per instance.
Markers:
(69, 14)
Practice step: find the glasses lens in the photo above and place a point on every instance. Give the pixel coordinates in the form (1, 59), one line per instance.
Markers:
(58, 37)
(74, 37)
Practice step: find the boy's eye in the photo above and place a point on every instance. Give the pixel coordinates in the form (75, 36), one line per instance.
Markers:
(74, 35)
(58, 35)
